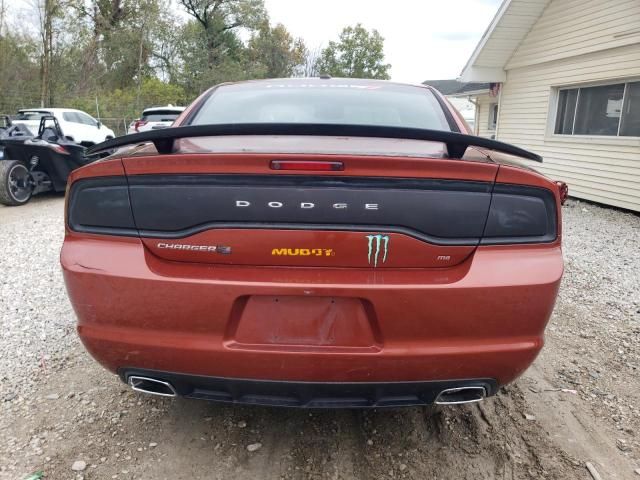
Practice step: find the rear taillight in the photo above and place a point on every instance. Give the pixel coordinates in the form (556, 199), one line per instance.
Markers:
(138, 124)
(100, 205)
(521, 214)
(59, 149)
(563, 190)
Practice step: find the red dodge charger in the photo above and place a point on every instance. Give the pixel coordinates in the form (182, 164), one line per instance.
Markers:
(314, 243)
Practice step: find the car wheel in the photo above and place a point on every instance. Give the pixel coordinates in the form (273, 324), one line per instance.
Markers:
(16, 185)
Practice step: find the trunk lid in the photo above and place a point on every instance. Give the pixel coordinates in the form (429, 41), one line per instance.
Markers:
(379, 211)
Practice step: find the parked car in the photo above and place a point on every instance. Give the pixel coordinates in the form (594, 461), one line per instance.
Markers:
(77, 126)
(32, 164)
(314, 243)
(155, 118)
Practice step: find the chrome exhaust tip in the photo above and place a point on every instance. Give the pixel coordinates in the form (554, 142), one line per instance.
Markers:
(460, 395)
(152, 386)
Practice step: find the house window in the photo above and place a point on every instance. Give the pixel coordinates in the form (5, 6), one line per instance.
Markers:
(611, 110)
(493, 116)
(630, 123)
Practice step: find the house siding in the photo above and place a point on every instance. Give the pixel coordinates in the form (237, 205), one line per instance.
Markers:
(483, 107)
(568, 28)
(510, 31)
(601, 169)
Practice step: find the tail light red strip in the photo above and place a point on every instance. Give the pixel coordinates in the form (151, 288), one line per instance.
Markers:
(309, 166)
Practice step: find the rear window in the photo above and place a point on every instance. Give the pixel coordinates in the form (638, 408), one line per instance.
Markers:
(33, 115)
(326, 103)
(160, 116)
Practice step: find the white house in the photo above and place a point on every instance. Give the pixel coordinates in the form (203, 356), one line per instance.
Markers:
(459, 95)
(565, 83)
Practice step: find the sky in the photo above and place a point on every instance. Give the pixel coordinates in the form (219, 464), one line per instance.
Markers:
(424, 40)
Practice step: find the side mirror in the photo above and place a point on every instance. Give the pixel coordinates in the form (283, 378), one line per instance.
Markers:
(98, 124)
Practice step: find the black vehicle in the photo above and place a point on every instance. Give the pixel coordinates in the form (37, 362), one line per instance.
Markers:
(35, 164)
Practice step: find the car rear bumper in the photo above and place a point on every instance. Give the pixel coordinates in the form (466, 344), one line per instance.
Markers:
(312, 394)
(483, 319)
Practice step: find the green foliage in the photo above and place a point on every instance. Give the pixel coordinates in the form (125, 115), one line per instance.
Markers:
(128, 103)
(357, 54)
(19, 71)
(274, 53)
(220, 20)
(196, 73)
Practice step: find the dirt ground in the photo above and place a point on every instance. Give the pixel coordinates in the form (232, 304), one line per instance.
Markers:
(580, 402)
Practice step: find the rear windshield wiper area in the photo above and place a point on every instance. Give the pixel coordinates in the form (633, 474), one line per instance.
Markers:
(457, 143)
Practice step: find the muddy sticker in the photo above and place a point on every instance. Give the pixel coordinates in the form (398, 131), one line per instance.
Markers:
(303, 252)
(378, 247)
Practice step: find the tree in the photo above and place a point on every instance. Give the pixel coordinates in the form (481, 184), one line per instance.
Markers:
(220, 19)
(101, 17)
(166, 38)
(108, 44)
(47, 10)
(195, 72)
(276, 53)
(357, 54)
(310, 67)
(20, 67)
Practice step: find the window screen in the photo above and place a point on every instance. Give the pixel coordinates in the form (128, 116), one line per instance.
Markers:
(609, 110)
(630, 126)
(566, 111)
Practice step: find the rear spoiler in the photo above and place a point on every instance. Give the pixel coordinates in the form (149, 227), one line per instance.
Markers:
(457, 143)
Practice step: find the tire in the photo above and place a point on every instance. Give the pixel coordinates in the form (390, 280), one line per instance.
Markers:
(15, 183)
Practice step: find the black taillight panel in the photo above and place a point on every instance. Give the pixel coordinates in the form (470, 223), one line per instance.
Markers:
(517, 214)
(101, 205)
(442, 212)
(521, 214)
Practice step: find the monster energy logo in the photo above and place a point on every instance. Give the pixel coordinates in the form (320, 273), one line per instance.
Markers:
(375, 242)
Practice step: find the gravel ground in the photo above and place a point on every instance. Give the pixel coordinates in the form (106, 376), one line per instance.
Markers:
(62, 414)
(37, 319)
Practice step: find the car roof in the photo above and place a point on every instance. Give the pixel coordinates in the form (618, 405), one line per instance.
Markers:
(326, 81)
(52, 110)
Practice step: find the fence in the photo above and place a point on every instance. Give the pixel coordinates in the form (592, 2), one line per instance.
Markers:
(118, 125)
